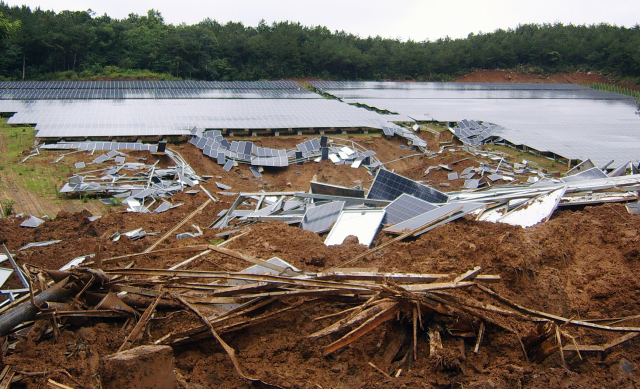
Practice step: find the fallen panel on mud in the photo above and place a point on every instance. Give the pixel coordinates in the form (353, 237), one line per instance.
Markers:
(389, 186)
(445, 212)
(32, 222)
(405, 207)
(320, 219)
(535, 210)
(361, 223)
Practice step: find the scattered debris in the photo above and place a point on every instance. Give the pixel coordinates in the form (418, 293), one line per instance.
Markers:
(32, 222)
(39, 244)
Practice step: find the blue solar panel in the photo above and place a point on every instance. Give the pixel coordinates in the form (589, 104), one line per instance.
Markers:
(390, 186)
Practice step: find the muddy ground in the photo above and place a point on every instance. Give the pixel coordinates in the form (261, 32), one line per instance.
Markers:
(581, 264)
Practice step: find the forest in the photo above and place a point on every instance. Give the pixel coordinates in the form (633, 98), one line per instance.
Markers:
(71, 45)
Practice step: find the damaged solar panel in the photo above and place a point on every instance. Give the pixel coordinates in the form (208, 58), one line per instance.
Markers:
(320, 218)
(390, 186)
(406, 207)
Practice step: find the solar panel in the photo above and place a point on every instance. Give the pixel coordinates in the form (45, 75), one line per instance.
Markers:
(255, 171)
(423, 219)
(389, 186)
(404, 208)
(590, 174)
(320, 218)
(227, 166)
(335, 190)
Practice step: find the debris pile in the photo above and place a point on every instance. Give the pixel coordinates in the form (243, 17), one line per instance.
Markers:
(135, 184)
(213, 144)
(401, 205)
(462, 306)
(473, 133)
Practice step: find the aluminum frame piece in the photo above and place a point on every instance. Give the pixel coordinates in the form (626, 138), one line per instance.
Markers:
(363, 224)
(39, 244)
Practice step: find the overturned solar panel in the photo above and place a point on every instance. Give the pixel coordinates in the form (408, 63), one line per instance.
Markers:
(363, 224)
(335, 190)
(584, 165)
(320, 218)
(433, 216)
(32, 222)
(589, 174)
(390, 186)
(474, 133)
(535, 210)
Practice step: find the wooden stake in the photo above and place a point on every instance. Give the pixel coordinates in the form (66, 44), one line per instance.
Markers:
(415, 334)
(380, 370)
(480, 336)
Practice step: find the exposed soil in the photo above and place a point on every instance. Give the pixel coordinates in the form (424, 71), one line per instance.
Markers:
(581, 264)
(582, 78)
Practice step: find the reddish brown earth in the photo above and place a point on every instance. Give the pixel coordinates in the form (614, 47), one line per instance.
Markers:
(582, 264)
(555, 78)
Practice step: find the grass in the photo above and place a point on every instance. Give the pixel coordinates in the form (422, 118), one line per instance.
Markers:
(433, 127)
(547, 164)
(41, 179)
(616, 89)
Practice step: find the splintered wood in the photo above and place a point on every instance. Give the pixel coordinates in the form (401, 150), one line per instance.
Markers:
(416, 309)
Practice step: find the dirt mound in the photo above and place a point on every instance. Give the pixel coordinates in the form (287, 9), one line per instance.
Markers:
(581, 264)
(509, 76)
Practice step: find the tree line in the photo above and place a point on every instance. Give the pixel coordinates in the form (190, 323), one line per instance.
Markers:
(82, 45)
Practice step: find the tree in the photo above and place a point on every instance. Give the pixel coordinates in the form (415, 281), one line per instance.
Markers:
(7, 28)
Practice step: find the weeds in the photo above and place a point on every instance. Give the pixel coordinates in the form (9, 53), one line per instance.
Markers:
(7, 207)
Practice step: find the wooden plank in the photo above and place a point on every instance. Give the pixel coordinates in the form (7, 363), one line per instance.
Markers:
(367, 326)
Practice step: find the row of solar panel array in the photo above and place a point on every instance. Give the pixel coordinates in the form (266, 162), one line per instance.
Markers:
(423, 94)
(328, 85)
(101, 146)
(149, 85)
(200, 93)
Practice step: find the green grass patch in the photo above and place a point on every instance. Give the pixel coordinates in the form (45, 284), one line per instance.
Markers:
(537, 161)
(109, 73)
(41, 179)
(616, 89)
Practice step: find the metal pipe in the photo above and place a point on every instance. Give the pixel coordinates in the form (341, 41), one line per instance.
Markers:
(27, 311)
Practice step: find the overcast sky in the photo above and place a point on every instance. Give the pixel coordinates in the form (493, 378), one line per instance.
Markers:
(403, 19)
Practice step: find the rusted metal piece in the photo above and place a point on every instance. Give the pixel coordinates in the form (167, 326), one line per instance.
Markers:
(112, 302)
